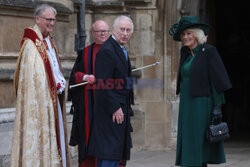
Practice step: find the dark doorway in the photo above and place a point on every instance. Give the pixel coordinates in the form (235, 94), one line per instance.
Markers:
(231, 31)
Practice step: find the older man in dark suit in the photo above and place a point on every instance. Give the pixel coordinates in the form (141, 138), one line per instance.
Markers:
(111, 140)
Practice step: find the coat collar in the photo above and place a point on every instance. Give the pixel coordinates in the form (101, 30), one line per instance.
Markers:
(119, 51)
(38, 32)
(185, 51)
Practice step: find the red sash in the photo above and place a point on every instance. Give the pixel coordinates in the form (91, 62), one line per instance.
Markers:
(41, 48)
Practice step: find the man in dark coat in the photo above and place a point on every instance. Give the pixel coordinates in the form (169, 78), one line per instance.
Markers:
(111, 140)
(82, 97)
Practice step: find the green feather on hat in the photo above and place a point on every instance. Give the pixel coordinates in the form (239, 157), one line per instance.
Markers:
(184, 23)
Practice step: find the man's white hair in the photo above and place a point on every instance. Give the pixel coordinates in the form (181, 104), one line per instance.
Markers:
(41, 8)
(122, 17)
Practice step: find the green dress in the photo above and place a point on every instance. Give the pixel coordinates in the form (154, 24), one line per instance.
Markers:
(194, 118)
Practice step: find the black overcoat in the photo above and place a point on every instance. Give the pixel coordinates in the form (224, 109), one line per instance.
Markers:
(110, 140)
(79, 100)
(207, 64)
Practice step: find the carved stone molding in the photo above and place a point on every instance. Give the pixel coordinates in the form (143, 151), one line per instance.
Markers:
(104, 4)
(25, 8)
(7, 115)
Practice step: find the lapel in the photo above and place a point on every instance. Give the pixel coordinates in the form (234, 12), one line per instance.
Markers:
(129, 68)
(184, 53)
(199, 58)
(119, 51)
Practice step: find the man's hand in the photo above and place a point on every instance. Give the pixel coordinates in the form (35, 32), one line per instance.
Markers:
(118, 116)
(90, 79)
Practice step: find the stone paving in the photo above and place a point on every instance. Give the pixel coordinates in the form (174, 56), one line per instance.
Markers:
(237, 155)
(237, 150)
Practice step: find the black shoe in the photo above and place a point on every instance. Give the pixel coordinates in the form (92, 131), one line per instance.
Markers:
(204, 165)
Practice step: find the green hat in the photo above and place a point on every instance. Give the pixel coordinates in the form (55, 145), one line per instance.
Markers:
(184, 23)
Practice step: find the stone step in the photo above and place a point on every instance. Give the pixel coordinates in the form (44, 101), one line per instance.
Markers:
(8, 114)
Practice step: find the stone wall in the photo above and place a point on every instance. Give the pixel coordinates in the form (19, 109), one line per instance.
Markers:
(14, 17)
(156, 108)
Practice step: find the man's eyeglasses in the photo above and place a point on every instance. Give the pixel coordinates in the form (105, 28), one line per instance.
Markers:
(102, 31)
(48, 19)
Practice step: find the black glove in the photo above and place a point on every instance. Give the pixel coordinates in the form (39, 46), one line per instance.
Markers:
(217, 114)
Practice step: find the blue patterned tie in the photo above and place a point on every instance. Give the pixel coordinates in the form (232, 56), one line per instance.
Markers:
(125, 52)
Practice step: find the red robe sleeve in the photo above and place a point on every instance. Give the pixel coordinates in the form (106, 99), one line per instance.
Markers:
(79, 77)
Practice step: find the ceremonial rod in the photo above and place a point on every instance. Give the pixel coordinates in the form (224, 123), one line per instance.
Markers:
(140, 68)
(83, 83)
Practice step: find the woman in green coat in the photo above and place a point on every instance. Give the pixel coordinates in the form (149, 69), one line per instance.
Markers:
(202, 80)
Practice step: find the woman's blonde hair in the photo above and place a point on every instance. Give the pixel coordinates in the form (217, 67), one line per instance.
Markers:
(199, 35)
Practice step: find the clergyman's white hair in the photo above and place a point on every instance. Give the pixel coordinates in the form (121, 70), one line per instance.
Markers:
(41, 8)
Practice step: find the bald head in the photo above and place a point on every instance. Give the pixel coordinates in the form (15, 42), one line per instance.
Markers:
(100, 31)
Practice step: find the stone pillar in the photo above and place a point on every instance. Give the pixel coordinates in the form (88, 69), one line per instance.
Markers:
(157, 105)
(170, 15)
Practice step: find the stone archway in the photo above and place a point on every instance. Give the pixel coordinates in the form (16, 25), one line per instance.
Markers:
(229, 33)
(232, 35)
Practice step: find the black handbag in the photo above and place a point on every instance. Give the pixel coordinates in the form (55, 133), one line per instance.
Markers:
(218, 132)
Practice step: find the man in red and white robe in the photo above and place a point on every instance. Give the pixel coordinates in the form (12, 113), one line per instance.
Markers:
(39, 137)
